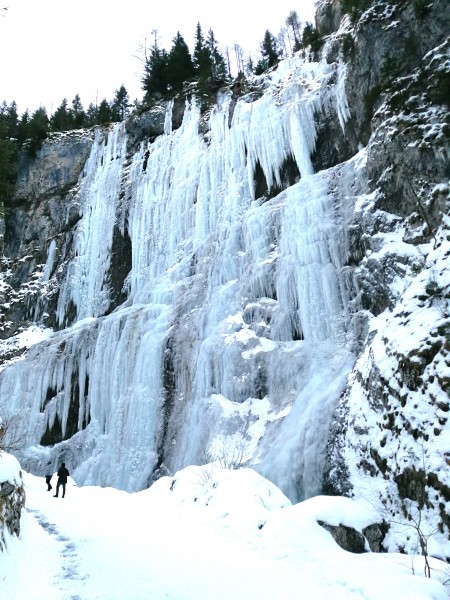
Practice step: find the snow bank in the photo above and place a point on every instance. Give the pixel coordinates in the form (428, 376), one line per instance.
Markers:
(204, 533)
(9, 468)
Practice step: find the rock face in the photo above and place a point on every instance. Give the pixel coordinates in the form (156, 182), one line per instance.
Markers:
(265, 283)
(369, 539)
(39, 229)
(390, 434)
(61, 160)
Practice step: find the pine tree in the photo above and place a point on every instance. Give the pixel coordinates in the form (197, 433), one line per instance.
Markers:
(77, 114)
(104, 115)
(155, 78)
(91, 115)
(61, 119)
(218, 67)
(202, 58)
(270, 54)
(8, 159)
(22, 128)
(180, 67)
(38, 128)
(269, 49)
(10, 119)
(120, 104)
(311, 37)
(8, 170)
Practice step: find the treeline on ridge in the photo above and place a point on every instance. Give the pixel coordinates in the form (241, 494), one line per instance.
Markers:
(28, 131)
(165, 73)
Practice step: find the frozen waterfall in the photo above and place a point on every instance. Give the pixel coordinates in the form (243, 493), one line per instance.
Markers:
(231, 344)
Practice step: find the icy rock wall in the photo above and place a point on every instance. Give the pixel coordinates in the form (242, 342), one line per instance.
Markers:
(232, 342)
(390, 435)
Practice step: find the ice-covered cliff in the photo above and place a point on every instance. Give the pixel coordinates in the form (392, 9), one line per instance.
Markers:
(237, 306)
(247, 283)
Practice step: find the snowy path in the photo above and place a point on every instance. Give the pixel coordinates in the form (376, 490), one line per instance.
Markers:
(69, 565)
(77, 548)
(190, 540)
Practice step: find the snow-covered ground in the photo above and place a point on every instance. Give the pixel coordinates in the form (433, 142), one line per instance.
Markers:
(204, 534)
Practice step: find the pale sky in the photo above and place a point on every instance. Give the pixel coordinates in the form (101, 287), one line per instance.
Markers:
(51, 49)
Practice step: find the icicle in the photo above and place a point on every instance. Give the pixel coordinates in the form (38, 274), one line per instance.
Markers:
(168, 118)
(341, 98)
(50, 261)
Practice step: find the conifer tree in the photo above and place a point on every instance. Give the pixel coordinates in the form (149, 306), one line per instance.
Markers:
(155, 78)
(104, 114)
(61, 120)
(202, 58)
(311, 37)
(120, 104)
(38, 128)
(91, 115)
(8, 169)
(22, 127)
(10, 119)
(269, 49)
(218, 67)
(8, 156)
(77, 114)
(270, 54)
(180, 67)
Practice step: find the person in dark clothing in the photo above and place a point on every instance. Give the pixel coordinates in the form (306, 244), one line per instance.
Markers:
(49, 476)
(63, 474)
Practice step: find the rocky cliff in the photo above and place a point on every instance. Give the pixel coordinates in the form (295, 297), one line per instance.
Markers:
(264, 282)
(390, 438)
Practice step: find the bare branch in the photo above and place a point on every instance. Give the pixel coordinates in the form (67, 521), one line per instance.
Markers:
(12, 433)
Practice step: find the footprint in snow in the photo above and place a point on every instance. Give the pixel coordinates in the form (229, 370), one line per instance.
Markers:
(70, 561)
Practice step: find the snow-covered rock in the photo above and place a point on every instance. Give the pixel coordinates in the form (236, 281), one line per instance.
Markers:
(12, 496)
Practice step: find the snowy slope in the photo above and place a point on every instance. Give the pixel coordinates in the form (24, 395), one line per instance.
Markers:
(204, 533)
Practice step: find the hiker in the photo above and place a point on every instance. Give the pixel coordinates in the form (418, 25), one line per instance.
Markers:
(63, 474)
(49, 476)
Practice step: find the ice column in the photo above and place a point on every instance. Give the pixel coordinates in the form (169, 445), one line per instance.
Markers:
(85, 284)
(312, 250)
